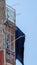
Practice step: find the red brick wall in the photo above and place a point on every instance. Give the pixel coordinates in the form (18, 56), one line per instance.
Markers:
(1, 57)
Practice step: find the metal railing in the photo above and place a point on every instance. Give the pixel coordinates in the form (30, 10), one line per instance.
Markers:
(10, 14)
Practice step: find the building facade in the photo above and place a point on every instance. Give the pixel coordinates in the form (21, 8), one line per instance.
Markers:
(7, 34)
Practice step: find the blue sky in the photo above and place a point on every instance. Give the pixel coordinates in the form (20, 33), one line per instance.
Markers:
(27, 22)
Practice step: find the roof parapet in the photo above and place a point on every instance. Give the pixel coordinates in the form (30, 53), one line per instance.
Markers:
(10, 14)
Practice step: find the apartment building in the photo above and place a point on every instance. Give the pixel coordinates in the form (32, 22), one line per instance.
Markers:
(7, 34)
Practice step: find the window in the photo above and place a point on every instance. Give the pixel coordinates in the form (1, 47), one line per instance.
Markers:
(7, 40)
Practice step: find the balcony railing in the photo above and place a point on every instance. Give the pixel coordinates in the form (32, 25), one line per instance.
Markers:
(10, 14)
